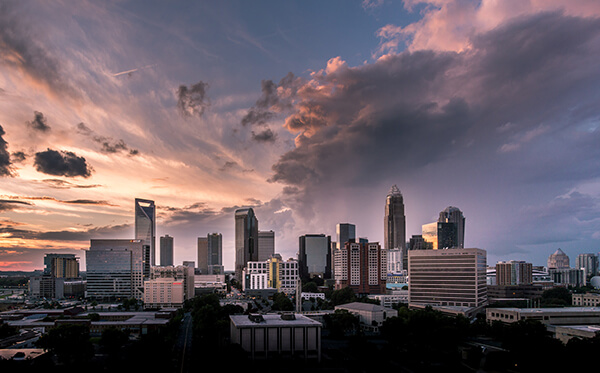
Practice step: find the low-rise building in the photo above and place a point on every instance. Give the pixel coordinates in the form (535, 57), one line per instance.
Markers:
(548, 316)
(586, 300)
(284, 335)
(371, 316)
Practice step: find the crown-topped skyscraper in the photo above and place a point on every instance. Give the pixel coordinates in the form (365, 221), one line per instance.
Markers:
(394, 223)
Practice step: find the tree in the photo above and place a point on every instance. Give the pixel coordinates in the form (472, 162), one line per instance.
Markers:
(343, 296)
(340, 323)
(113, 339)
(282, 303)
(70, 342)
(557, 296)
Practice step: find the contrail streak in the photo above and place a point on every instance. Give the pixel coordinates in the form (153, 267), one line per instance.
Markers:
(133, 70)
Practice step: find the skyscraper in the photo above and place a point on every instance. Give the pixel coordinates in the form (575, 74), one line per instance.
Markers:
(145, 225)
(166, 250)
(115, 269)
(314, 256)
(430, 234)
(451, 228)
(514, 272)
(210, 254)
(362, 267)
(246, 239)
(61, 265)
(558, 260)
(394, 221)
(345, 232)
(589, 262)
(266, 245)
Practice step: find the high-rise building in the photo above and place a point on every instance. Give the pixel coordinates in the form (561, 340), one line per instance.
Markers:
(394, 223)
(589, 262)
(210, 254)
(61, 265)
(115, 268)
(362, 267)
(273, 273)
(558, 260)
(417, 242)
(166, 250)
(455, 277)
(430, 234)
(182, 273)
(345, 232)
(514, 272)
(145, 225)
(246, 239)
(266, 245)
(314, 256)
(451, 228)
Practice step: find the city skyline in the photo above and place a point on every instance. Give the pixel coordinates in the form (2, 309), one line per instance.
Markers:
(305, 112)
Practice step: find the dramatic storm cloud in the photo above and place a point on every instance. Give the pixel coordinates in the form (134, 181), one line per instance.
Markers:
(5, 163)
(61, 163)
(39, 123)
(192, 100)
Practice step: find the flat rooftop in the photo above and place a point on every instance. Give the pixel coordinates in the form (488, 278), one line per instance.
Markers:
(273, 320)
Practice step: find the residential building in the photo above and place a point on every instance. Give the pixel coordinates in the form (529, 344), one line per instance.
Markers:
(166, 250)
(558, 260)
(61, 265)
(314, 256)
(116, 268)
(274, 273)
(362, 267)
(448, 277)
(180, 273)
(163, 293)
(246, 239)
(145, 225)
(514, 272)
(589, 262)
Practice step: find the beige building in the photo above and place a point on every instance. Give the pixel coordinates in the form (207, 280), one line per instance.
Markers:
(449, 277)
(586, 300)
(163, 292)
(369, 315)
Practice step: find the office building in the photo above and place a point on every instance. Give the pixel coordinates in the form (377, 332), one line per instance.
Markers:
(210, 254)
(394, 222)
(180, 273)
(370, 316)
(395, 261)
(61, 265)
(418, 242)
(514, 272)
(568, 276)
(246, 239)
(558, 260)
(145, 225)
(163, 293)
(266, 245)
(314, 256)
(115, 269)
(274, 273)
(286, 335)
(587, 262)
(166, 250)
(46, 286)
(345, 232)
(451, 277)
(451, 228)
(430, 234)
(362, 267)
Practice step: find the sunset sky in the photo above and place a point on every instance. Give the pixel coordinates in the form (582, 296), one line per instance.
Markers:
(307, 111)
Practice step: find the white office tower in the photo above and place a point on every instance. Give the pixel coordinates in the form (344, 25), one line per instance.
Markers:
(394, 261)
(115, 269)
(450, 277)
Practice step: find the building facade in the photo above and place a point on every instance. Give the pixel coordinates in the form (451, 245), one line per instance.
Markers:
(115, 269)
(362, 267)
(588, 262)
(344, 232)
(266, 245)
(61, 265)
(314, 256)
(451, 228)
(246, 239)
(166, 250)
(452, 277)
(210, 254)
(145, 225)
(394, 222)
(274, 273)
(514, 272)
(558, 260)
(429, 232)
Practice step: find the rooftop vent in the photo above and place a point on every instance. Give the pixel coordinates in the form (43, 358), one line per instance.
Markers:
(288, 316)
(255, 317)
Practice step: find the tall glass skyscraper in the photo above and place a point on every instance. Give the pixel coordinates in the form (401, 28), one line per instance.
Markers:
(145, 225)
(166, 250)
(394, 224)
(210, 254)
(246, 240)
(345, 232)
(451, 235)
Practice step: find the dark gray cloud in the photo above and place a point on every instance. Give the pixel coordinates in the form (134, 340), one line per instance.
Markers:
(39, 122)
(108, 144)
(275, 98)
(15, 230)
(9, 204)
(192, 100)
(61, 163)
(21, 48)
(63, 184)
(18, 157)
(5, 162)
(265, 135)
